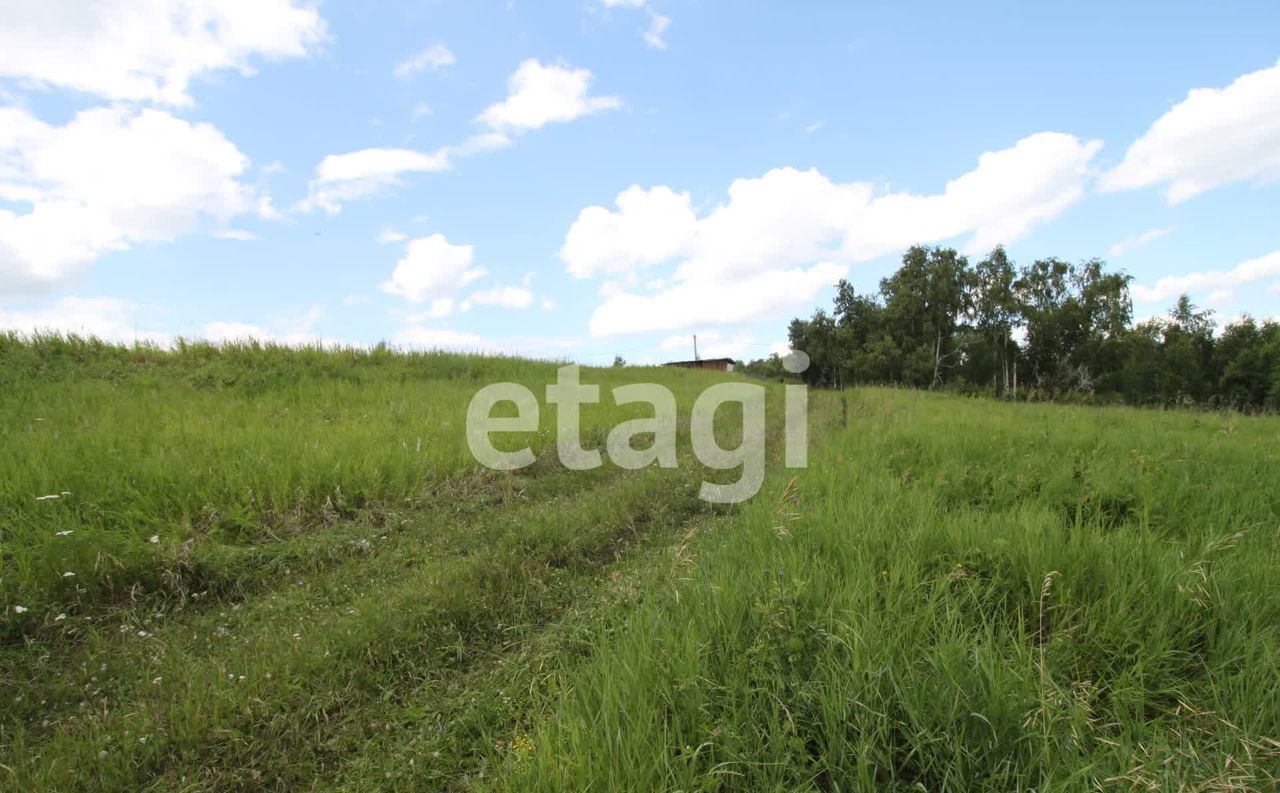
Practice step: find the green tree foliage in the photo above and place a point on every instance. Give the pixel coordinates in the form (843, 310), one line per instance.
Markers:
(1052, 329)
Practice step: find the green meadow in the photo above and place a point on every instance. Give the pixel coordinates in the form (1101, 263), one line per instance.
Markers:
(248, 567)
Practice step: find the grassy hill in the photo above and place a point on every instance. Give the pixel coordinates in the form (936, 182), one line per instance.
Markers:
(286, 572)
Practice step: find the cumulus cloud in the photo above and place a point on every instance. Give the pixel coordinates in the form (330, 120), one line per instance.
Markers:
(432, 268)
(149, 50)
(697, 302)
(648, 227)
(1213, 137)
(436, 56)
(768, 246)
(1218, 282)
(108, 179)
(539, 94)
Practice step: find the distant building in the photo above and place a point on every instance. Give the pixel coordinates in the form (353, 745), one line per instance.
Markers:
(715, 364)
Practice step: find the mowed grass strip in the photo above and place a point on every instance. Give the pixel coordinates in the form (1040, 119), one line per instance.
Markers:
(957, 595)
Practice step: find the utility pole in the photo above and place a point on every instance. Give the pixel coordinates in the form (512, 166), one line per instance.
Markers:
(695, 348)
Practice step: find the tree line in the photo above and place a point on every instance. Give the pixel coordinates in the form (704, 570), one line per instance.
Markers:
(1049, 330)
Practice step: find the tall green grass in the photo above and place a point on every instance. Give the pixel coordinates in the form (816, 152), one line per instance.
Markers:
(126, 472)
(957, 595)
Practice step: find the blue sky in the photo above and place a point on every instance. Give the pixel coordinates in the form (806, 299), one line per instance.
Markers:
(600, 177)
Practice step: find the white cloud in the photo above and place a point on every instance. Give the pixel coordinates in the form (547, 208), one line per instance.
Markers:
(649, 227)
(115, 320)
(503, 297)
(440, 308)
(1216, 281)
(389, 235)
(1213, 137)
(110, 178)
(293, 329)
(432, 268)
(728, 261)
(436, 56)
(149, 50)
(809, 129)
(346, 177)
(1218, 297)
(540, 94)
(698, 302)
(377, 164)
(1129, 244)
(788, 217)
(107, 318)
(549, 305)
(658, 25)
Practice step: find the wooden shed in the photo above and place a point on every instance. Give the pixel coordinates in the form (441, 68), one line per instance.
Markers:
(715, 364)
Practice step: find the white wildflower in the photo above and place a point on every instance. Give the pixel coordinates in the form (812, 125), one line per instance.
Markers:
(154, 538)
(19, 609)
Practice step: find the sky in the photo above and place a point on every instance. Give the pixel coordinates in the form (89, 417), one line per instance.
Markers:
(583, 179)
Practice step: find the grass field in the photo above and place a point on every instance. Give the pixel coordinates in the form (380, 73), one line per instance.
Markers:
(287, 573)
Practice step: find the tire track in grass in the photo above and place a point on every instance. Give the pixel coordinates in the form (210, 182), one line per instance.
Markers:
(40, 667)
(246, 709)
(478, 722)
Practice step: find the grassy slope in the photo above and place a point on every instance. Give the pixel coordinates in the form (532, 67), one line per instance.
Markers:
(228, 456)
(397, 585)
(956, 594)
